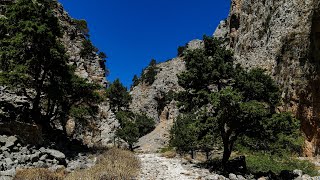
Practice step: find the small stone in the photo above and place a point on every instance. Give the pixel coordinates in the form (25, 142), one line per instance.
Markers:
(9, 173)
(40, 164)
(240, 177)
(55, 154)
(297, 172)
(44, 157)
(233, 176)
(8, 161)
(306, 177)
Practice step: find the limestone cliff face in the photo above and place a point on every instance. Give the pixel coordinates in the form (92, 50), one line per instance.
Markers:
(282, 37)
(153, 100)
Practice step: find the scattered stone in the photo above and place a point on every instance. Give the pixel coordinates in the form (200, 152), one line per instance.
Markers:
(8, 173)
(297, 172)
(233, 176)
(55, 153)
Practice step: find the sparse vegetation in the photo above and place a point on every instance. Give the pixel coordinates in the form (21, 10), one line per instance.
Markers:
(82, 25)
(259, 162)
(39, 174)
(113, 164)
(88, 50)
(149, 74)
(181, 50)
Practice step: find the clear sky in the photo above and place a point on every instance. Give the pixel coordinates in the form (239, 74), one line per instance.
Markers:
(132, 32)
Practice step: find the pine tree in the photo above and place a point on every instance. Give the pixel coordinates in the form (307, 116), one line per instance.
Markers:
(119, 96)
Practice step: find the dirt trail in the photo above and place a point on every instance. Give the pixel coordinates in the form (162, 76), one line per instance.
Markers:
(155, 167)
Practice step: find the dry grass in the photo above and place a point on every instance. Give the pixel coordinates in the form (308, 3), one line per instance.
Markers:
(113, 164)
(169, 154)
(39, 174)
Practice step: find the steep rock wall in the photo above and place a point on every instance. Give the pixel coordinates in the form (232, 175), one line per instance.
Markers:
(282, 37)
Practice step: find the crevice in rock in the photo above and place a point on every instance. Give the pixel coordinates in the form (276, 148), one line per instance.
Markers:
(234, 22)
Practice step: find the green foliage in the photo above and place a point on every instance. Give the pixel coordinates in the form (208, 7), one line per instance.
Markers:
(278, 134)
(149, 75)
(144, 123)
(88, 50)
(129, 133)
(103, 60)
(135, 81)
(184, 134)
(82, 25)
(228, 102)
(133, 126)
(260, 162)
(118, 95)
(181, 50)
(33, 62)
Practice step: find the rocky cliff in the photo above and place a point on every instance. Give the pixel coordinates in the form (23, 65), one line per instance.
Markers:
(102, 130)
(154, 100)
(282, 37)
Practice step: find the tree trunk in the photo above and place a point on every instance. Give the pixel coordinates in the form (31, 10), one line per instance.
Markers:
(207, 154)
(131, 147)
(192, 154)
(227, 149)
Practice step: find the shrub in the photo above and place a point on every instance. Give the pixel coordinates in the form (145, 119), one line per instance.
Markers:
(82, 25)
(259, 162)
(181, 50)
(88, 50)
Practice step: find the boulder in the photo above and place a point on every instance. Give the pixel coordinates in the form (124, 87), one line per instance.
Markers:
(233, 176)
(55, 154)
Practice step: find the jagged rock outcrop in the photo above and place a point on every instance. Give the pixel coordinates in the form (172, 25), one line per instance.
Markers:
(154, 101)
(89, 68)
(151, 99)
(282, 37)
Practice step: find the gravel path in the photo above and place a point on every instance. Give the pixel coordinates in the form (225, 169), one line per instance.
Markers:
(155, 167)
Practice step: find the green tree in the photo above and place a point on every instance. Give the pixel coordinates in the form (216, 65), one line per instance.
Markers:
(118, 95)
(88, 50)
(234, 117)
(33, 63)
(184, 134)
(181, 50)
(133, 126)
(128, 132)
(135, 81)
(102, 61)
(82, 25)
(228, 102)
(149, 75)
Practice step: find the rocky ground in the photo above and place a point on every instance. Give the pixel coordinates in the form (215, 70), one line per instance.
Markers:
(156, 167)
(15, 156)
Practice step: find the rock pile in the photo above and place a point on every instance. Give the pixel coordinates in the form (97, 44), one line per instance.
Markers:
(14, 156)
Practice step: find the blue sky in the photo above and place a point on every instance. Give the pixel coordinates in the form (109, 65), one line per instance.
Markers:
(132, 32)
